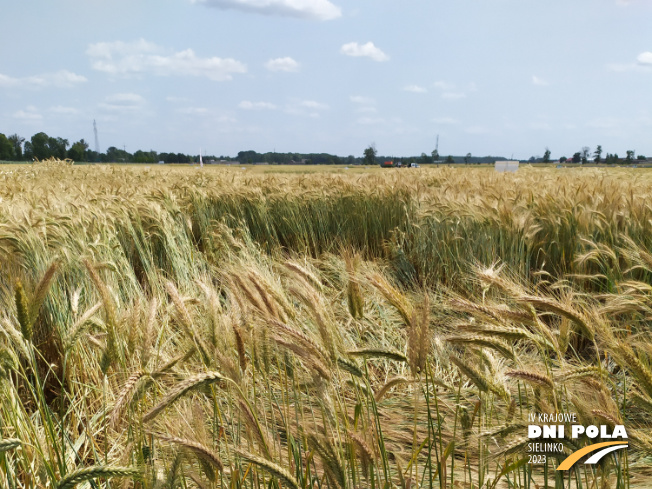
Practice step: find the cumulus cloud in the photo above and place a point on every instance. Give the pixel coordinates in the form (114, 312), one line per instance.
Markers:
(309, 108)
(282, 64)
(140, 57)
(367, 50)
(414, 89)
(123, 102)
(29, 115)
(645, 58)
(248, 105)
(59, 79)
(303, 9)
(540, 82)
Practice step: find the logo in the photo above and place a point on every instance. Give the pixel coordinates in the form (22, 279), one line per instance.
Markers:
(538, 451)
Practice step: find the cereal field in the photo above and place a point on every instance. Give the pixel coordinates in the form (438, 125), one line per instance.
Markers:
(228, 328)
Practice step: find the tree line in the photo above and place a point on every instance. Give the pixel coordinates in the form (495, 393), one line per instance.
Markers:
(41, 147)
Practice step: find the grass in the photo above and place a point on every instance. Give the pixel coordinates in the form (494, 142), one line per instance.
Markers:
(171, 327)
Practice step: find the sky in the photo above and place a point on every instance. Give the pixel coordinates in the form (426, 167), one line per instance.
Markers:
(488, 77)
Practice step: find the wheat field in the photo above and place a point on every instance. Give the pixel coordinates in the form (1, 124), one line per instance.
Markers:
(221, 328)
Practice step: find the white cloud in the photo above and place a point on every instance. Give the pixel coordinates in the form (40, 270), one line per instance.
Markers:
(304, 108)
(540, 82)
(448, 121)
(123, 102)
(368, 50)
(248, 105)
(29, 115)
(59, 79)
(414, 89)
(282, 64)
(138, 57)
(303, 9)
(645, 58)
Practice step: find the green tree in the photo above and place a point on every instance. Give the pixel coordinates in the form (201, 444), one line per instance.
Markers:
(37, 147)
(77, 151)
(546, 156)
(467, 158)
(58, 147)
(450, 159)
(598, 154)
(17, 143)
(6, 148)
(435, 155)
(577, 157)
(630, 156)
(370, 155)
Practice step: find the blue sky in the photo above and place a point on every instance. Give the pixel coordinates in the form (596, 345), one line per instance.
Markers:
(491, 77)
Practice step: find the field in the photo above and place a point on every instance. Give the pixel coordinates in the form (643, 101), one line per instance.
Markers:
(323, 328)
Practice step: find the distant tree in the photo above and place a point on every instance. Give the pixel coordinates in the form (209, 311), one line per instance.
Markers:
(38, 146)
(58, 147)
(467, 158)
(435, 155)
(641, 158)
(6, 148)
(146, 157)
(563, 159)
(598, 154)
(17, 142)
(585, 154)
(546, 156)
(77, 151)
(611, 159)
(370, 155)
(577, 157)
(630, 156)
(449, 159)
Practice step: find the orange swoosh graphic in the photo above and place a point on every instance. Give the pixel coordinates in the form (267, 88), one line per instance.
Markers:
(574, 457)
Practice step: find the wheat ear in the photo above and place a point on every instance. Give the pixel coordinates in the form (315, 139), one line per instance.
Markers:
(182, 388)
(93, 472)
